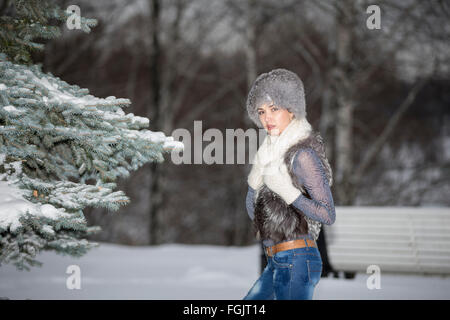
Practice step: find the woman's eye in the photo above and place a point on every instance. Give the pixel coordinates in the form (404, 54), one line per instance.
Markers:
(274, 109)
(260, 112)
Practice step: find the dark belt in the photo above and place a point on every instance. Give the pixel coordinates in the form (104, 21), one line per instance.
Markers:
(288, 245)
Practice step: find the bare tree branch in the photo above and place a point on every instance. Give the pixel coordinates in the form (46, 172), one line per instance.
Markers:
(387, 131)
(362, 76)
(209, 101)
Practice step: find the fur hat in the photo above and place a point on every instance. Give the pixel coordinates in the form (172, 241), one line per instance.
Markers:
(280, 87)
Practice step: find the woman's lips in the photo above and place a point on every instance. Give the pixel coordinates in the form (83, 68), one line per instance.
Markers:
(270, 127)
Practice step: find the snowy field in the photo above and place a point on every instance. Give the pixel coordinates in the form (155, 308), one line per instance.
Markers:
(178, 271)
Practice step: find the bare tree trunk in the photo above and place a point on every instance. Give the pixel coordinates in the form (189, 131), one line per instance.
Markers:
(238, 228)
(156, 191)
(168, 90)
(250, 50)
(326, 125)
(345, 102)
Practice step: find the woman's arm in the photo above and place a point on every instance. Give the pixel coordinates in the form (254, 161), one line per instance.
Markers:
(249, 202)
(310, 173)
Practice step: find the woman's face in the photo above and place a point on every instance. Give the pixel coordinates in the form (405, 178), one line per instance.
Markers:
(274, 119)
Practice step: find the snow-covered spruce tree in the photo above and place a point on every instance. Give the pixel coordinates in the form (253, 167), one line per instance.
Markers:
(24, 22)
(61, 149)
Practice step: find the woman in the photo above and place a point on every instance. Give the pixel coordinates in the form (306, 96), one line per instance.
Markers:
(289, 195)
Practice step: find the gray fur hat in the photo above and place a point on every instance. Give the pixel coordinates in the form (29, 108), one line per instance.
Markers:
(280, 87)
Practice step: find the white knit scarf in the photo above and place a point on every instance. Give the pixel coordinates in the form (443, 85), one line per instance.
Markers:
(270, 155)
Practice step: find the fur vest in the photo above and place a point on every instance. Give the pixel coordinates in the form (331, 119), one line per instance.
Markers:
(274, 218)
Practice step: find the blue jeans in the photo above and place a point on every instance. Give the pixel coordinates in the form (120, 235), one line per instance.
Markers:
(289, 275)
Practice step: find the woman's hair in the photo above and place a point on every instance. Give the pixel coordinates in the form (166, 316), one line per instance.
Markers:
(279, 87)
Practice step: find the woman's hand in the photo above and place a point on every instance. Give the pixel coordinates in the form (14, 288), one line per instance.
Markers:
(263, 158)
(255, 177)
(277, 179)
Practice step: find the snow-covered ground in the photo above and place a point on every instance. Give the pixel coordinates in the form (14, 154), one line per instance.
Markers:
(176, 271)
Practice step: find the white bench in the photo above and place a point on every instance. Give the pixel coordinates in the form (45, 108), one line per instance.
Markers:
(397, 239)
